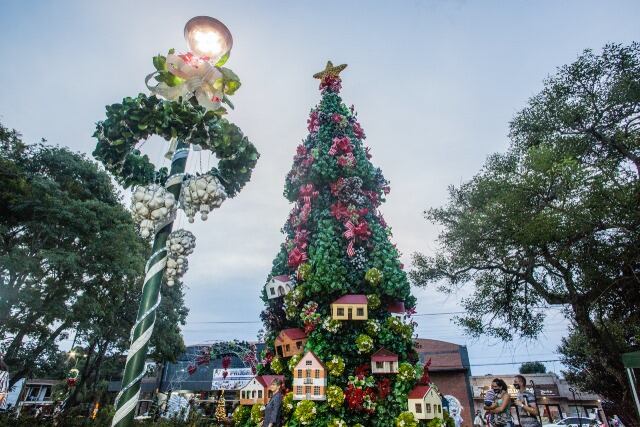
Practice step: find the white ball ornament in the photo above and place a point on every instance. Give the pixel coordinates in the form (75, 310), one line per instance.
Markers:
(180, 244)
(151, 205)
(201, 194)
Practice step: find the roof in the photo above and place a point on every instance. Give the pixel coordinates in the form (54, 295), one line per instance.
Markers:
(312, 354)
(351, 299)
(445, 356)
(293, 333)
(39, 381)
(396, 307)
(282, 278)
(384, 355)
(267, 380)
(419, 391)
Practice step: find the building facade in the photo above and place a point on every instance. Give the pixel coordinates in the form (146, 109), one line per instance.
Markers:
(451, 372)
(553, 395)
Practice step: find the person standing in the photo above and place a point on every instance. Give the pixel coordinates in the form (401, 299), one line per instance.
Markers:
(526, 405)
(478, 421)
(501, 407)
(273, 410)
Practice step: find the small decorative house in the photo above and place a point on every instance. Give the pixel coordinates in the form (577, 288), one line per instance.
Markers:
(310, 378)
(350, 307)
(278, 286)
(260, 389)
(397, 310)
(290, 341)
(384, 362)
(425, 403)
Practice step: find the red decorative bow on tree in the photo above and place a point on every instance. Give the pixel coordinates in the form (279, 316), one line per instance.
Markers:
(341, 145)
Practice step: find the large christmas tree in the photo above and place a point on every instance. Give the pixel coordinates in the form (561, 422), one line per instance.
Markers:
(337, 294)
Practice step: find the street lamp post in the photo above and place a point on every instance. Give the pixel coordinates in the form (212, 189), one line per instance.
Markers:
(209, 39)
(575, 402)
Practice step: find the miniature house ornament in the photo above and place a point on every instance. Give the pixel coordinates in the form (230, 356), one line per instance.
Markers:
(278, 286)
(350, 307)
(260, 389)
(290, 342)
(425, 403)
(384, 361)
(310, 378)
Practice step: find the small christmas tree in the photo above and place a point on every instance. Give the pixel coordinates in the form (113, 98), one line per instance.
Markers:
(221, 413)
(344, 273)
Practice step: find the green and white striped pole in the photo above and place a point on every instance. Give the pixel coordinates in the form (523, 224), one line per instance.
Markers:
(127, 399)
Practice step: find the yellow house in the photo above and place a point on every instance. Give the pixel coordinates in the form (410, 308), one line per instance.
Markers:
(350, 307)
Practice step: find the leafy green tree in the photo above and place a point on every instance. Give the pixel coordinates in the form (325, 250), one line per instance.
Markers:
(554, 221)
(71, 263)
(533, 368)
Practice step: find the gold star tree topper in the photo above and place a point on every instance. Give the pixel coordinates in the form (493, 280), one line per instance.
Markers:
(329, 70)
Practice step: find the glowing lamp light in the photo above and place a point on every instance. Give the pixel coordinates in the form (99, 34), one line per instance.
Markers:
(208, 37)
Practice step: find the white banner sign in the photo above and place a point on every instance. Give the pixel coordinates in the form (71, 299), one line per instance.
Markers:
(235, 380)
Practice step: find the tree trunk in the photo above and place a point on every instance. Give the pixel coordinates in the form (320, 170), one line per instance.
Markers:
(611, 356)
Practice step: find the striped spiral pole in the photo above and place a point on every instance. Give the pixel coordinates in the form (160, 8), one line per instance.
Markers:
(127, 399)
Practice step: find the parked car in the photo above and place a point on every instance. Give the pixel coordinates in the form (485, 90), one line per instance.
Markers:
(574, 422)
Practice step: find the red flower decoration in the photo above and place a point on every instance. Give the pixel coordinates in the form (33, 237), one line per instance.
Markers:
(384, 388)
(336, 118)
(313, 123)
(191, 369)
(357, 131)
(347, 160)
(226, 362)
(341, 145)
(331, 82)
(296, 257)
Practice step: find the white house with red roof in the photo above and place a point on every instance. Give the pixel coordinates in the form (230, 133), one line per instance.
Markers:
(384, 361)
(425, 402)
(310, 378)
(278, 286)
(260, 389)
(290, 342)
(397, 310)
(350, 307)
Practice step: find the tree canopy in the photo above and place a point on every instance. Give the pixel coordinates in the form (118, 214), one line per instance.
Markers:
(71, 263)
(532, 368)
(555, 219)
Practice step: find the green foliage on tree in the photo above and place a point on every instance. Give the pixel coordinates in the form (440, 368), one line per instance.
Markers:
(533, 368)
(71, 265)
(554, 221)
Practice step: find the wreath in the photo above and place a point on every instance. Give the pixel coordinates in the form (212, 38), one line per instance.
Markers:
(136, 119)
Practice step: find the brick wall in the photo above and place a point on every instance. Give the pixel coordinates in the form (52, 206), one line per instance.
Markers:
(455, 384)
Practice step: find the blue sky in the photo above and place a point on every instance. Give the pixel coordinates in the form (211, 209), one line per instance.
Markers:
(435, 84)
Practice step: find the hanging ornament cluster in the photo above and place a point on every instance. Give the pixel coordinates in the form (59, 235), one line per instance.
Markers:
(151, 205)
(202, 194)
(180, 244)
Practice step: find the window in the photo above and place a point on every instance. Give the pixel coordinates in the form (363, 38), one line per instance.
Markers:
(340, 311)
(308, 362)
(259, 394)
(427, 408)
(273, 291)
(316, 391)
(242, 394)
(317, 373)
(299, 373)
(379, 365)
(287, 347)
(298, 345)
(307, 389)
(418, 408)
(253, 394)
(308, 373)
(299, 389)
(360, 312)
(270, 394)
